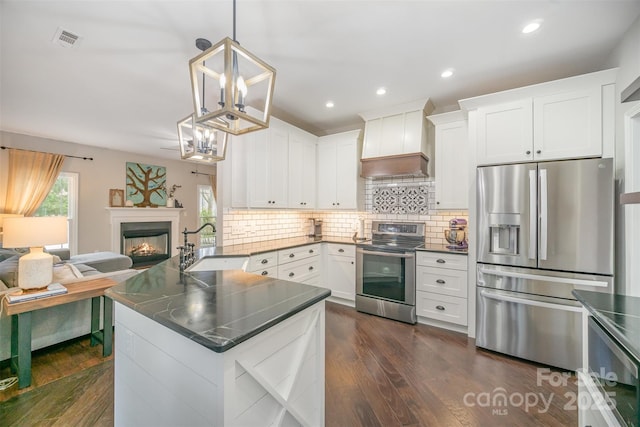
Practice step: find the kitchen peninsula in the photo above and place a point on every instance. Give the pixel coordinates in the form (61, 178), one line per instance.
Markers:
(217, 348)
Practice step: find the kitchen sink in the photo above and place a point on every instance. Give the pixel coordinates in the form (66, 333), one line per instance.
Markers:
(218, 263)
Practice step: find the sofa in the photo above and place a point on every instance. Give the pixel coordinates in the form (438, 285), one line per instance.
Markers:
(57, 324)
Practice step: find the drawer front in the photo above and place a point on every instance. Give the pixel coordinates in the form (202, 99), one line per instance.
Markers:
(442, 307)
(263, 261)
(313, 280)
(341, 250)
(271, 271)
(441, 260)
(298, 271)
(442, 281)
(298, 253)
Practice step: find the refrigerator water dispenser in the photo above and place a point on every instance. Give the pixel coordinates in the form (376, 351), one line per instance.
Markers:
(504, 234)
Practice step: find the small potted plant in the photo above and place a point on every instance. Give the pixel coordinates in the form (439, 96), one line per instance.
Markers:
(170, 199)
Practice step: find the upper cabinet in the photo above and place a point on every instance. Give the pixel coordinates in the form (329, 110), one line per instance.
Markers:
(399, 133)
(268, 167)
(568, 118)
(338, 184)
(302, 169)
(452, 175)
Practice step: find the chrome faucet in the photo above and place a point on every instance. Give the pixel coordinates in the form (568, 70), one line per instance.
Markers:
(187, 251)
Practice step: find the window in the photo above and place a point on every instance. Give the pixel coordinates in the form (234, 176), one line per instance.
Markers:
(207, 208)
(62, 201)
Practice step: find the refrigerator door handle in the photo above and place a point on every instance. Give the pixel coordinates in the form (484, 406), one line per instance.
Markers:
(533, 215)
(534, 303)
(543, 214)
(555, 279)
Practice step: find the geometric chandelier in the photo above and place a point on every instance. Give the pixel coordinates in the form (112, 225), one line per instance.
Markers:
(230, 79)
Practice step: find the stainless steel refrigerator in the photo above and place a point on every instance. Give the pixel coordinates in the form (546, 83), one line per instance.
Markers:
(543, 230)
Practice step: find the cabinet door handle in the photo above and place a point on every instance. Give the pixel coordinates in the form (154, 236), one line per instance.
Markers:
(291, 255)
(291, 274)
(264, 261)
(340, 250)
(528, 152)
(264, 273)
(439, 307)
(538, 151)
(440, 261)
(442, 282)
(437, 203)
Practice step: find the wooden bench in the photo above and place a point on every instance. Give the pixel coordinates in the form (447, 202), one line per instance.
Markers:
(20, 313)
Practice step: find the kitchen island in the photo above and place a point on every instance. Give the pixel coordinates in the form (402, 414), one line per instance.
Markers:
(217, 348)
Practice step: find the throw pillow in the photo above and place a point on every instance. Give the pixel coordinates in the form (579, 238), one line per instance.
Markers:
(62, 272)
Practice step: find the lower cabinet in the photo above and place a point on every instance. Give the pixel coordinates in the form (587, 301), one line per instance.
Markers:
(340, 272)
(441, 287)
(265, 264)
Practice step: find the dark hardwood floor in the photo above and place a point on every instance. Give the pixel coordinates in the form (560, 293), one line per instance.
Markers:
(378, 373)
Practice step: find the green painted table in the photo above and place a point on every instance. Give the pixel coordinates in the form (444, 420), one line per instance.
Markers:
(20, 313)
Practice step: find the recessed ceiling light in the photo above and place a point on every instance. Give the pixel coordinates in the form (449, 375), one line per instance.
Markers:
(329, 104)
(446, 73)
(531, 27)
(381, 91)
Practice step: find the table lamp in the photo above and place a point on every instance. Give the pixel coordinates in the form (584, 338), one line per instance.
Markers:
(35, 269)
(2, 217)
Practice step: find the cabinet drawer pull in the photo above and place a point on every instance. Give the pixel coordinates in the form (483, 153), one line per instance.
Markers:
(311, 268)
(291, 274)
(439, 307)
(310, 251)
(340, 250)
(291, 255)
(538, 151)
(442, 282)
(264, 261)
(264, 273)
(440, 261)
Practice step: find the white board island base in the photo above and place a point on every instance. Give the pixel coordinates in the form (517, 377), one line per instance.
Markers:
(274, 378)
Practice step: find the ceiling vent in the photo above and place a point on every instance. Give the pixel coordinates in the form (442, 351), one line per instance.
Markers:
(66, 38)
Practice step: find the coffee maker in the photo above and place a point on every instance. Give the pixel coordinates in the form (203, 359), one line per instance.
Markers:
(315, 227)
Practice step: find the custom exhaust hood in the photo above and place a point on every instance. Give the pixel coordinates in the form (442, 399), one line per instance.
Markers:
(398, 141)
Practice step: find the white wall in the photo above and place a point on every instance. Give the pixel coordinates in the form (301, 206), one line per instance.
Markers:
(627, 58)
(107, 171)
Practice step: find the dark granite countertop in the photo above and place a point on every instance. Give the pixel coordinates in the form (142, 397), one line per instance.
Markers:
(429, 247)
(217, 309)
(619, 315)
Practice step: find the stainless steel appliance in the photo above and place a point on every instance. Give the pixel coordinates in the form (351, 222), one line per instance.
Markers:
(543, 230)
(385, 270)
(616, 375)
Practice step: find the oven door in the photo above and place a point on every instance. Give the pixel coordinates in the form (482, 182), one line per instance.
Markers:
(387, 275)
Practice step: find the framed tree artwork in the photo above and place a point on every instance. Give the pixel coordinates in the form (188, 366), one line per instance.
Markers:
(146, 185)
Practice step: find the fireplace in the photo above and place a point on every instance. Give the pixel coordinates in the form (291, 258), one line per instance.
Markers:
(146, 243)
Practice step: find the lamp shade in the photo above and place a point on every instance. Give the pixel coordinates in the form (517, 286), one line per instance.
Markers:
(27, 232)
(234, 78)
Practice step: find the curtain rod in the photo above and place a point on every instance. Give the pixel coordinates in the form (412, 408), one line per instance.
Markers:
(33, 151)
(202, 173)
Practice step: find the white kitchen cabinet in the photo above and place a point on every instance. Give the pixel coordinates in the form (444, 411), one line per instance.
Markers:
(451, 160)
(302, 170)
(505, 133)
(441, 287)
(562, 119)
(339, 272)
(268, 172)
(300, 264)
(338, 182)
(264, 264)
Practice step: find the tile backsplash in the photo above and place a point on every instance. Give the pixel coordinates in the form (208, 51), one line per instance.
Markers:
(397, 199)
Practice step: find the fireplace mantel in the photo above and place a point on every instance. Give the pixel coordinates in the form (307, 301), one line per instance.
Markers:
(122, 215)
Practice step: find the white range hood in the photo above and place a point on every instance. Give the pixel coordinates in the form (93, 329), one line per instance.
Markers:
(398, 141)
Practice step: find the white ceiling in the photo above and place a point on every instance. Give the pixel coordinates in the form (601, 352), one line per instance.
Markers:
(127, 83)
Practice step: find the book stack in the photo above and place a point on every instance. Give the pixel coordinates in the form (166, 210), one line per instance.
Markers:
(31, 294)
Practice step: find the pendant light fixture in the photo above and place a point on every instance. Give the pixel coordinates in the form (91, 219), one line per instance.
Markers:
(234, 79)
(201, 142)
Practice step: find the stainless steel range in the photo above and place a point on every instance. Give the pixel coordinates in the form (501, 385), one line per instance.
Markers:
(385, 270)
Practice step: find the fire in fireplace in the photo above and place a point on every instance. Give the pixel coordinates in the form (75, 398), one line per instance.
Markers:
(146, 243)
